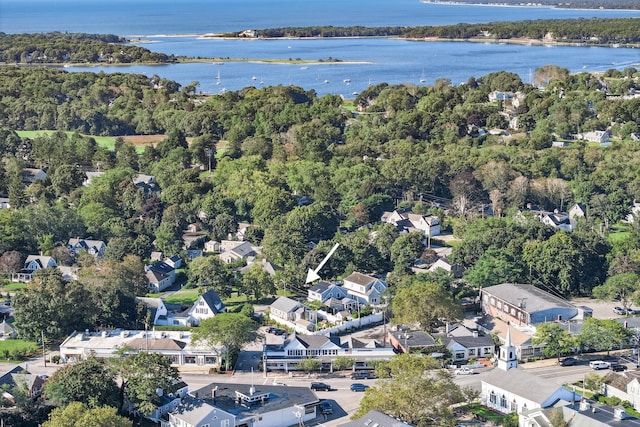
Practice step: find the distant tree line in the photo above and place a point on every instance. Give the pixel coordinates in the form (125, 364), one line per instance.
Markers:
(59, 47)
(595, 30)
(574, 4)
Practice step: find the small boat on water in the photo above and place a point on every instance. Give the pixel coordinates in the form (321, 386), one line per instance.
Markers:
(326, 81)
(254, 78)
(347, 80)
(304, 68)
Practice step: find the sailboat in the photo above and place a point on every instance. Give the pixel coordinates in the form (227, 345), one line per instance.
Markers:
(218, 78)
(423, 79)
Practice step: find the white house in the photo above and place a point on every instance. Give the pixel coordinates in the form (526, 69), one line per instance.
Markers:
(331, 295)
(176, 345)
(407, 221)
(32, 264)
(160, 274)
(508, 388)
(286, 309)
(599, 136)
(233, 251)
(206, 306)
(365, 289)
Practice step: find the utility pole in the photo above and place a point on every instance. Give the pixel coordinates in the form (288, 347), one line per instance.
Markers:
(209, 154)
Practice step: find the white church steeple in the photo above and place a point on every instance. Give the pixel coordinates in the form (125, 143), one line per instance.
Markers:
(507, 357)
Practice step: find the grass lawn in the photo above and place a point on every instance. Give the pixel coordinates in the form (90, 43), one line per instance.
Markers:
(183, 297)
(12, 346)
(14, 286)
(486, 413)
(109, 142)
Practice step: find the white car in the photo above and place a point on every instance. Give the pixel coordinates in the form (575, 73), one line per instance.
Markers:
(596, 365)
(464, 371)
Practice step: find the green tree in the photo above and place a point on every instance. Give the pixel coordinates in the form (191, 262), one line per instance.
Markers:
(405, 250)
(413, 392)
(341, 363)
(257, 282)
(210, 271)
(142, 374)
(310, 364)
(66, 178)
(231, 331)
(50, 306)
(423, 303)
(78, 415)
(495, 266)
(602, 334)
(90, 382)
(556, 341)
(623, 287)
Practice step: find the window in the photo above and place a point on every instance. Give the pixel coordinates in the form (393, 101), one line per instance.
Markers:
(499, 305)
(190, 359)
(204, 425)
(513, 311)
(514, 406)
(492, 398)
(460, 355)
(224, 423)
(503, 401)
(505, 308)
(210, 360)
(493, 301)
(472, 352)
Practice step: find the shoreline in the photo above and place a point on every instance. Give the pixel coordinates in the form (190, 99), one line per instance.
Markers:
(537, 6)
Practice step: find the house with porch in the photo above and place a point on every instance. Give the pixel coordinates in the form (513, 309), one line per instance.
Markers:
(32, 264)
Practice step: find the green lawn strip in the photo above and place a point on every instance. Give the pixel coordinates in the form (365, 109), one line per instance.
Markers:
(14, 286)
(8, 349)
(183, 297)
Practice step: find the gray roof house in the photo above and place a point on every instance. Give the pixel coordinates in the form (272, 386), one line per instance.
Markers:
(95, 248)
(230, 405)
(364, 288)
(17, 376)
(206, 306)
(285, 308)
(32, 264)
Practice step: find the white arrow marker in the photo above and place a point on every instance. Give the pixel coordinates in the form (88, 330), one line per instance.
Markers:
(312, 275)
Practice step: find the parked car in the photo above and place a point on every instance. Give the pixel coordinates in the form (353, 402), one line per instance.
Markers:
(599, 364)
(326, 407)
(359, 387)
(619, 310)
(464, 371)
(618, 368)
(362, 375)
(320, 386)
(275, 331)
(631, 311)
(568, 361)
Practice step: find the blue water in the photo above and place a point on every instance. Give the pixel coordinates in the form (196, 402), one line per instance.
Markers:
(377, 60)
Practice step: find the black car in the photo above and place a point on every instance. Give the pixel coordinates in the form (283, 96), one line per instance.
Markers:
(363, 375)
(618, 368)
(320, 386)
(275, 331)
(359, 387)
(326, 407)
(568, 361)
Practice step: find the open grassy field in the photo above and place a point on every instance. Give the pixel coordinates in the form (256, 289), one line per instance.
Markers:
(139, 141)
(183, 297)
